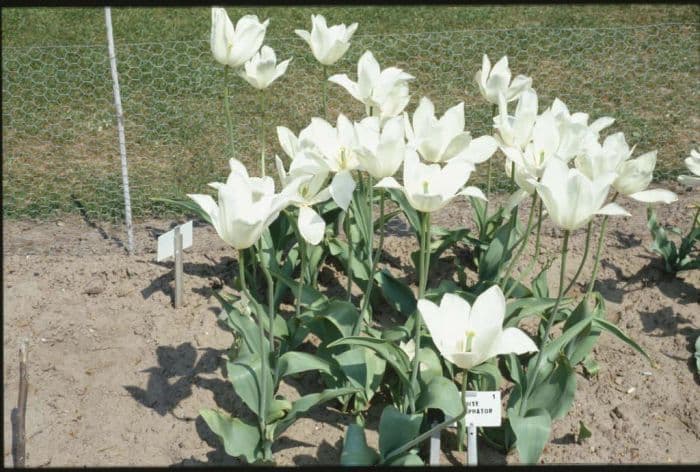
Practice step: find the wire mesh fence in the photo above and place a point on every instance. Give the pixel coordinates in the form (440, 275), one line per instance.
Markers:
(60, 147)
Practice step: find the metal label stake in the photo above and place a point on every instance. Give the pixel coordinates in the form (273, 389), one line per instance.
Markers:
(171, 244)
(178, 268)
(471, 444)
(435, 446)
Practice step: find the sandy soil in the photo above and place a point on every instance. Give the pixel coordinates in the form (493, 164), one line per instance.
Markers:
(117, 376)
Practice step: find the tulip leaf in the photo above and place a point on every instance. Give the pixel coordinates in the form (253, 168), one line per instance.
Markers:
(540, 288)
(441, 394)
(294, 362)
(531, 432)
(363, 368)
(430, 364)
(244, 375)
(556, 392)
(396, 429)
(186, 204)
(309, 296)
(305, 403)
(498, 251)
(583, 432)
(380, 222)
(406, 459)
(488, 376)
(583, 343)
(522, 308)
(396, 358)
(515, 369)
(613, 329)
(396, 293)
(341, 316)
(355, 449)
(240, 439)
(244, 327)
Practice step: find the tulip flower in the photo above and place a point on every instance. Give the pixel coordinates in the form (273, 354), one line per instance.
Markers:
(693, 165)
(328, 45)
(384, 92)
(262, 69)
(633, 175)
(246, 206)
(381, 149)
(515, 131)
(336, 147)
(439, 140)
(429, 188)
(310, 192)
(493, 82)
(571, 198)
(470, 335)
(234, 46)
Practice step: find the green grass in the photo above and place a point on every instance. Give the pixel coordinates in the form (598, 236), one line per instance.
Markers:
(59, 135)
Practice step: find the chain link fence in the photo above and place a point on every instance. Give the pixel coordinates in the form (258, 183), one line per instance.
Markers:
(60, 147)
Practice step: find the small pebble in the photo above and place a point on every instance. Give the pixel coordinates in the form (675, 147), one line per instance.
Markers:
(631, 390)
(647, 373)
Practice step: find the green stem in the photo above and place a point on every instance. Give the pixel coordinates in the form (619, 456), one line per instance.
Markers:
(550, 321)
(524, 240)
(462, 423)
(350, 253)
(261, 339)
(422, 437)
(489, 169)
(586, 247)
(300, 284)
(227, 111)
(532, 262)
(262, 133)
(364, 311)
(270, 307)
(325, 92)
(598, 252)
(424, 260)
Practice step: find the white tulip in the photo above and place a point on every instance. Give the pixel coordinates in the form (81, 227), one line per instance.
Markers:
(493, 82)
(310, 192)
(571, 198)
(328, 45)
(246, 206)
(429, 188)
(262, 69)
(336, 147)
(439, 140)
(234, 46)
(380, 149)
(384, 92)
(515, 131)
(470, 335)
(633, 175)
(575, 134)
(693, 165)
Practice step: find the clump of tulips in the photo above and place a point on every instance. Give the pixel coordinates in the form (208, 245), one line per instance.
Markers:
(453, 336)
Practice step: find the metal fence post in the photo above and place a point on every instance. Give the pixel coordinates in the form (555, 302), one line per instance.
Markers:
(120, 126)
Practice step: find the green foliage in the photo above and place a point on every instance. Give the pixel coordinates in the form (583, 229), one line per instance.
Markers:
(675, 258)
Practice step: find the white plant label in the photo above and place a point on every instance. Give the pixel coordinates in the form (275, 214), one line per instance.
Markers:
(483, 409)
(166, 241)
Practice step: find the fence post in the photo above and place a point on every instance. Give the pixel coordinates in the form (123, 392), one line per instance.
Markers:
(120, 127)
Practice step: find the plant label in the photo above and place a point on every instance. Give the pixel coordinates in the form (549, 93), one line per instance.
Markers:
(166, 241)
(483, 408)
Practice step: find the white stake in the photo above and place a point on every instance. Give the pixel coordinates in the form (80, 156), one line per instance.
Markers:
(435, 446)
(471, 444)
(120, 127)
(178, 267)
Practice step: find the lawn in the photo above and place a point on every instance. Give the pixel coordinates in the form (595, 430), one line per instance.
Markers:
(637, 63)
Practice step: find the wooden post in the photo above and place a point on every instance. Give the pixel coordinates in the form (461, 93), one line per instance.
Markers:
(178, 267)
(21, 407)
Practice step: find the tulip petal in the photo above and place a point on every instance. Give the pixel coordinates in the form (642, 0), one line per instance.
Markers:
(480, 149)
(488, 310)
(655, 196)
(305, 35)
(472, 191)
(454, 311)
(613, 209)
(388, 182)
(465, 360)
(344, 81)
(311, 225)
(601, 123)
(342, 187)
(512, 340)
(689, 180)
(445, 338)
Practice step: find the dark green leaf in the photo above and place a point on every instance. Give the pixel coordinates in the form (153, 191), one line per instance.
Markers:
(244, 375)
(556, 392)
(240, 439)
(294, 362)
(355, 449)
(387, 351)
(442, 394)
(531, 432)
(396, 429)
(611, 328)
(583, 432)
(396, 293)
(186, 204)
